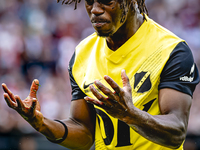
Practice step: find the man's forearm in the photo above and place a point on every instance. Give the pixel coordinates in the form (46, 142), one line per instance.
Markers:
(78, 136)
(166, 130)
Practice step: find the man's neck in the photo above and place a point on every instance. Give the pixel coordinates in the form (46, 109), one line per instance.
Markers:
(126, 31)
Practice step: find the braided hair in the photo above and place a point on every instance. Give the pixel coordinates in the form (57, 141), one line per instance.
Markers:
(141, 6)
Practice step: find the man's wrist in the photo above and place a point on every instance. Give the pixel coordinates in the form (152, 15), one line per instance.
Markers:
(37, 121)
(60, 140)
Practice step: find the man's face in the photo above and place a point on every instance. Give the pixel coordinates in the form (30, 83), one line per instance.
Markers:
(105, 16)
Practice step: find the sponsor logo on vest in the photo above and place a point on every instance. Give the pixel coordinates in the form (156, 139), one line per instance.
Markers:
(85, 86)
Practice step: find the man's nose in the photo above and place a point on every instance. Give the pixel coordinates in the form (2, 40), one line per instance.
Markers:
(97, 8)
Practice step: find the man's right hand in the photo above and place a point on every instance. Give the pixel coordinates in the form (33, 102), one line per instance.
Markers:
(29, 108)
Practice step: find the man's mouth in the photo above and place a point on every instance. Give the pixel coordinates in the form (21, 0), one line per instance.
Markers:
(99, 22)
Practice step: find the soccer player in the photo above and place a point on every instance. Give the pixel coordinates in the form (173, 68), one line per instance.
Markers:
(132, 84)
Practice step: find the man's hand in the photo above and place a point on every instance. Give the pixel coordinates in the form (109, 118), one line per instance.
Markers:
(29, 108)
(117, 103)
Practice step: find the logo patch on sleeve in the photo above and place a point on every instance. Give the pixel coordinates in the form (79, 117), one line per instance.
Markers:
(189, 78)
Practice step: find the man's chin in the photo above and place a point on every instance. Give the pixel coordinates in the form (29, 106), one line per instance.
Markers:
(103, 34)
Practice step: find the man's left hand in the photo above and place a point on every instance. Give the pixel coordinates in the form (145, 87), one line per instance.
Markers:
(117, 103)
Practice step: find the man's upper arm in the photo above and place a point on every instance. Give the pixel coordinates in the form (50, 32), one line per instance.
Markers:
(180, 72)
(173, 102)
(178, 81)
(83, 113)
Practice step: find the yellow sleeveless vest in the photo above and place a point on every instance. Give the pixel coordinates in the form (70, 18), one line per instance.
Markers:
(143, 57)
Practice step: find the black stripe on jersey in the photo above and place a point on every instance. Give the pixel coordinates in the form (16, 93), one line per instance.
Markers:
(77, 93)
(180, 72)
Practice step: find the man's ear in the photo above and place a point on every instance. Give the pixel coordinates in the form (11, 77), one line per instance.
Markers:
(134, 2)
(134, 5)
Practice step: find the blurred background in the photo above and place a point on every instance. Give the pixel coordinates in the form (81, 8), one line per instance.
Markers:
(37, 40)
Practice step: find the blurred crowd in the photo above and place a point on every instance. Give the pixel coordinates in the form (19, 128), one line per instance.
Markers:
(38, 38)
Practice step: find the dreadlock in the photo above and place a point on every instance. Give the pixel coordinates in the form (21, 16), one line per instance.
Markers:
(69, 2)
(141, 6)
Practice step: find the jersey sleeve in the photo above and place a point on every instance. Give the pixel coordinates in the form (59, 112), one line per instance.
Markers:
(77, 93)
(180, 71)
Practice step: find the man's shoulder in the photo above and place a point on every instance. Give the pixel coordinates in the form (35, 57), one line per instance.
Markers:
(157, 28)
(87, 41)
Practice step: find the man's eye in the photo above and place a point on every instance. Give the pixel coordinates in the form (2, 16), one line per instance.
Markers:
(106, 2)
(89, 2)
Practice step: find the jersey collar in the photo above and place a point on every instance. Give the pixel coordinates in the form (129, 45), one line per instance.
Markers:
(132, 44)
